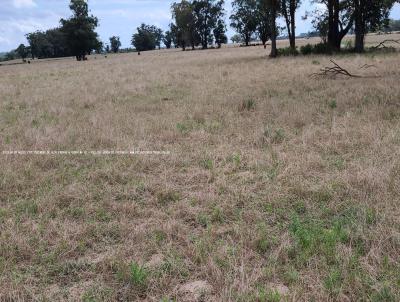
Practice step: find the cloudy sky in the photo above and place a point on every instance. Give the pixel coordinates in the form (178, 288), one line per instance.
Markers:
(117, 17)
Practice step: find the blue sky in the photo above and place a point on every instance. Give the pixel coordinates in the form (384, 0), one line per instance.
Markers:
(117, 17)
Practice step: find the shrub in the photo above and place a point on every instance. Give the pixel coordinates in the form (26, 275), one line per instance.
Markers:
(306, 49)
(287, 51)
(320, 48)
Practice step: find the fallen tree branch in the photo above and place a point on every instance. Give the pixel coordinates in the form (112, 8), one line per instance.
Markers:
(334, 71)
(382, 44)
(367, 66)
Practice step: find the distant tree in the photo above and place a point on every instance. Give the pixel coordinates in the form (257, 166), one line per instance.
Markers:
(185, 29)
(99, 47)
(243, 18)
(219, 33)
(176, 36)
(167, 40)
(393, 25)
(22, 51)
(236, 38)
(80, 30)
(288, 9)
(57, 43)
(158, 34)
(115, 44)
(107, 49)
(146, 38)
(12, 55)
(39, 44)
(207, 15)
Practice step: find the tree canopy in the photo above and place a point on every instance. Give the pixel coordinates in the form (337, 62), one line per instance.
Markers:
(243, 18)
(79, 30)
(147, 37)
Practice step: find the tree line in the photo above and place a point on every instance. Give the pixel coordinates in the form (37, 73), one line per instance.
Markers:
(201, 23)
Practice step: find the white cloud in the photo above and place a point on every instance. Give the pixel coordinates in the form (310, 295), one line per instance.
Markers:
(24, 3)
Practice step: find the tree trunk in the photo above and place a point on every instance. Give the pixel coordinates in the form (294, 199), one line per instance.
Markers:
(293, 24)
(359, 27)
(333, 33)
(360, 38)
(274, 51)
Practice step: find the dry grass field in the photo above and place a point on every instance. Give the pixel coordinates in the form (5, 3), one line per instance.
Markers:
(278, 186)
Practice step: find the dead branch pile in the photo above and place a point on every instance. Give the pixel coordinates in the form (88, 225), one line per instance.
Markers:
(334, 71)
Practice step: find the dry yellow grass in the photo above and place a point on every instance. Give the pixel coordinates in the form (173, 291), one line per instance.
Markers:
(278, 186)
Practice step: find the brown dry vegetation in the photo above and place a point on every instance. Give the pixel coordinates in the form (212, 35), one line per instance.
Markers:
(278, 186)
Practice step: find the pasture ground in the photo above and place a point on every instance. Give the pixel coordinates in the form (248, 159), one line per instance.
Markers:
(277, 187)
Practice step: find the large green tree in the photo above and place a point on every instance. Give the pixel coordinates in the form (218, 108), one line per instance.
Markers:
(208, 14)
(243, 18)
(80, 30)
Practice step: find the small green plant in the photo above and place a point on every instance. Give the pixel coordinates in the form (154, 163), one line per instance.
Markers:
(102, 215)
(332, 104)
(279, 136)
(203, 220)
(27, 208)
(184, 129)
(273, 296)
(217, 215)
(138, 275)
(383, 295)
(207, 164)
(371, 216)
(166, 299)
(159, 236)
(333, 282)
(291, 276)
(262, 245)
(247, 105)
(167, 197)
(236, 159)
